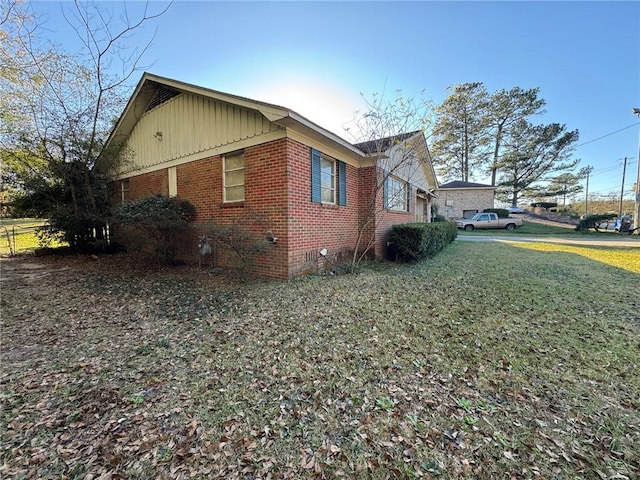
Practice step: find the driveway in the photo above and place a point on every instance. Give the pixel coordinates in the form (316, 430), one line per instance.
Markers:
(615, 241)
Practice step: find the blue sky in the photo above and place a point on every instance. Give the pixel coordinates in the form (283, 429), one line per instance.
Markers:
(317, 58)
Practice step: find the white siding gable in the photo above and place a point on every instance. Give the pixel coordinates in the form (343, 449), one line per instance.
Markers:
(188, 127)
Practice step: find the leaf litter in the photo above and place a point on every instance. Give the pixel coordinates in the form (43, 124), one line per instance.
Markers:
(445, 369)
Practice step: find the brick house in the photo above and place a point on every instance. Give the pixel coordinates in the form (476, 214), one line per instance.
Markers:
(463, 199)
(234, 158)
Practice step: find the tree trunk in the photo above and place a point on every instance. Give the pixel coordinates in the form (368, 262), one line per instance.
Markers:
(496, 150)
(466, 153)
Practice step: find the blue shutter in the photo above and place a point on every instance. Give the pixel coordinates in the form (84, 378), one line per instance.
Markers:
(342, 183)
(316, 186)
(409, 198)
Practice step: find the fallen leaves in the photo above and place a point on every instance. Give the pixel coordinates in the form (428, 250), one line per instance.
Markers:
(108, 373)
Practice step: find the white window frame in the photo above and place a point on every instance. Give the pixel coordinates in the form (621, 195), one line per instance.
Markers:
(225, 171)
(330, 186)
(124, 190)
(172, 174)
(397, 194)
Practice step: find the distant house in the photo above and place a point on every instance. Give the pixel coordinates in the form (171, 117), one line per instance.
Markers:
(231, 156)
(463, 199)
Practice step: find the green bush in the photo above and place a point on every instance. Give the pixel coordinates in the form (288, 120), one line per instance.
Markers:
(594, 221)
(502, 212)
(157, 223)
(545, 205)
(410, 242)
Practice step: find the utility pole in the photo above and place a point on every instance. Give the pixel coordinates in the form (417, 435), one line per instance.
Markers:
(586, 171)
(624, 172)
(636, 215)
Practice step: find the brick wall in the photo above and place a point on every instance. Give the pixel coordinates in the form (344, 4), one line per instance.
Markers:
(463, 199)
(149, 184)
(314, 226)
(277, 199)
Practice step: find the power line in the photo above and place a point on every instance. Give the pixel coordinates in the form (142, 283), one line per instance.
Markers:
(609, 169)
(607, 135)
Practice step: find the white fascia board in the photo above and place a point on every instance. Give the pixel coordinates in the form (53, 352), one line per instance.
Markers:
(322, 131)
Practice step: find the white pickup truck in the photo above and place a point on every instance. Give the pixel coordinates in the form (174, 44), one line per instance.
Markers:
(488, 220)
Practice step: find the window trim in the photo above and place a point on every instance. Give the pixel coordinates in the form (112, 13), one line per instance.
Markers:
(125, 192)
(172, 175)
(225, 186)
(332, 188)
(398, 200)
(339, 179)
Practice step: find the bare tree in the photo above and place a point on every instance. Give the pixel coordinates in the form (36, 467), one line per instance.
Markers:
(59, 108)
(391, 133)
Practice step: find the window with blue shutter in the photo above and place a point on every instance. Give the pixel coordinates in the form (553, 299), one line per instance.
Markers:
(328, 179)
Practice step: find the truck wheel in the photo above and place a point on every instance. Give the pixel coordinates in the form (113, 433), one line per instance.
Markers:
(468, 228)
(510, 226)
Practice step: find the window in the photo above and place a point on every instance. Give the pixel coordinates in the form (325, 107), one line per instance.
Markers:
(172, 173)
(396, 194)
(124, 190)
(328, 179)
(233, 178)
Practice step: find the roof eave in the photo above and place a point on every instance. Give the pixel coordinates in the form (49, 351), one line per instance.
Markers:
(280, 115)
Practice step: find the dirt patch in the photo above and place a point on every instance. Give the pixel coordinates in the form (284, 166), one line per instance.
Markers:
(553, 220)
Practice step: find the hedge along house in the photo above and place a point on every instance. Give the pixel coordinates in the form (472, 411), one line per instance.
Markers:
(237, 160)
(464, 199)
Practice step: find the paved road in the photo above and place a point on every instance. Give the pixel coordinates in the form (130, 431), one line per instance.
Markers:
(616, 241)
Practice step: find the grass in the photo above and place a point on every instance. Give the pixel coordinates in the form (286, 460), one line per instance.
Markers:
(19, 236)
(625, 258)
(489, 361)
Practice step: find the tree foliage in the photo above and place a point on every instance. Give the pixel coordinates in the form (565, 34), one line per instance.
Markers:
(507, 109)
(58, 109)
(535, 151)
(461, 133)
(478, 133)
(564, 186)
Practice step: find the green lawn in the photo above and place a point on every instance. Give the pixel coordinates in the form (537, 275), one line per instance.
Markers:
(18, 235)
(488, 361)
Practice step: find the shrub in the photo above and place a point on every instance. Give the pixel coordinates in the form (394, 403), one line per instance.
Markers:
(594, 221)
(158, 222)
(502, 212)
(410, 242)
(245, 236)
(545, 205)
